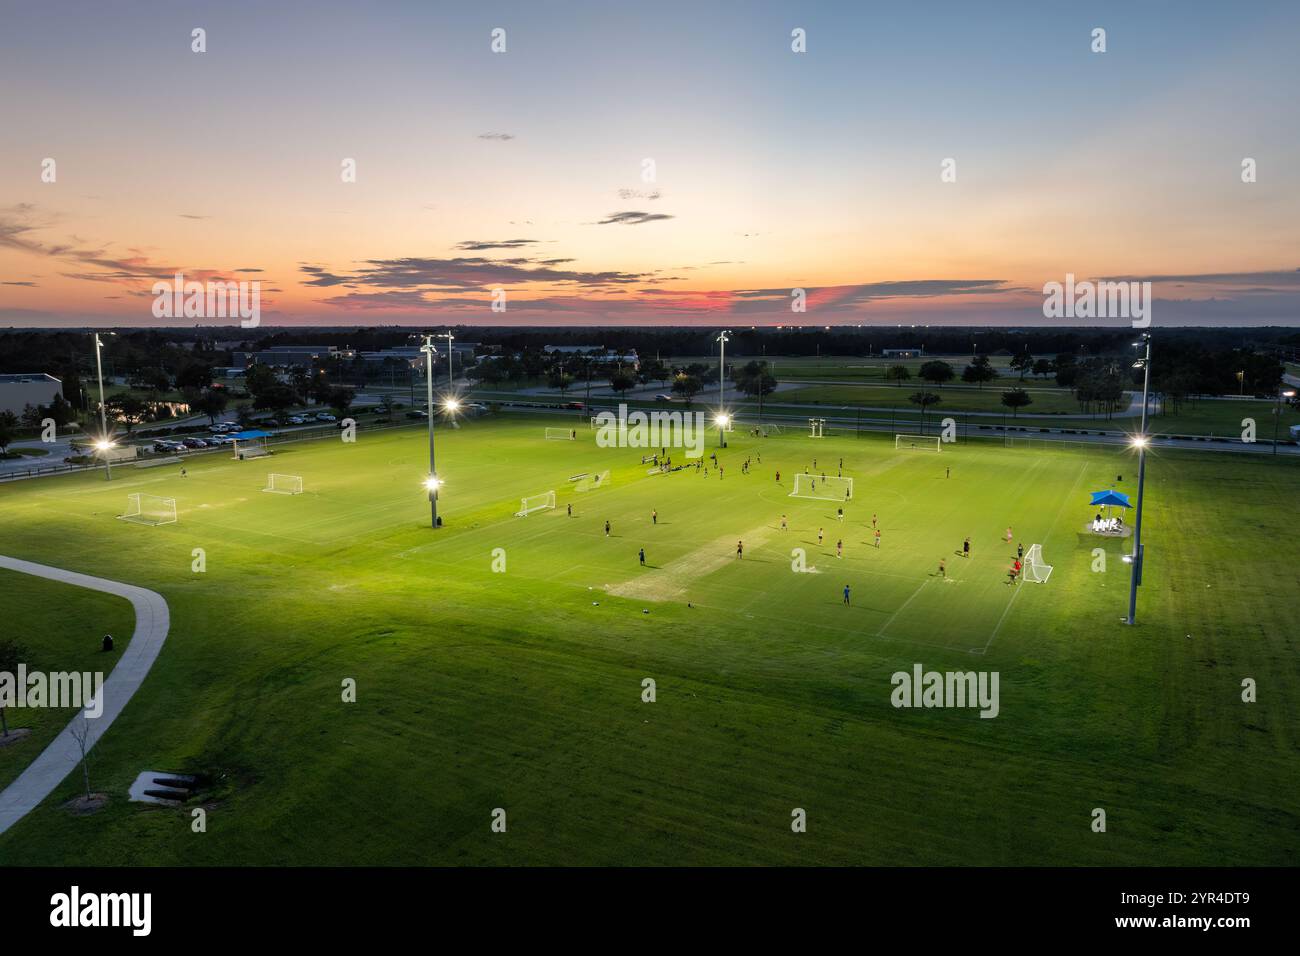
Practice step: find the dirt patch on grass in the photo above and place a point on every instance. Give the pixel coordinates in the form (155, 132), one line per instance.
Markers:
(672, 581)
(84, 805)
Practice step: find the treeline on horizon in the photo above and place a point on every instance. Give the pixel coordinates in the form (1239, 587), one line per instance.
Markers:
(1187, 361)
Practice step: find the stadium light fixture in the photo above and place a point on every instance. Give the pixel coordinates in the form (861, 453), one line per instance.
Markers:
(723, 420)
(431, 483)
(451, 405)
(103, 445)
(723, 338)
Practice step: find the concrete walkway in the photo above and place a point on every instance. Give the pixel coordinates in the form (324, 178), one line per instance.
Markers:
(63, 753)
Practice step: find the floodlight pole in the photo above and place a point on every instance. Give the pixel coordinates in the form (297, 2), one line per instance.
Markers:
(1277, 415)
(103, 412)
(433, 474)
(1135, 572)
(450, 378)
(722, 381)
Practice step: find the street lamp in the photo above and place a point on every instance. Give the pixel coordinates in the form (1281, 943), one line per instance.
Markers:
(432, 483)
(451, 381)
(105, 441)
(1140, 442)
(723, 418)
(1277, 416)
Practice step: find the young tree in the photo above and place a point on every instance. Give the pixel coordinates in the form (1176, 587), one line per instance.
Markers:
(687, 386)
(1022, 363)
(340, 400)
(1016, 399)
(127, 409)
(924, 399)
(560, 380)
(1043, 367)
(11, 655)
(211, 403)
(936, 373)
(622, 380)
(80, 730)
(979, 371)
(8, 432)
(898, 374)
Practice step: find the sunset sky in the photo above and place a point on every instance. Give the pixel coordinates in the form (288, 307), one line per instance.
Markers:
(523, 170)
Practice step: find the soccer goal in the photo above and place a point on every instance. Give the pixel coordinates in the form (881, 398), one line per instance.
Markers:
(535, 503)
(560, 434)
(1033, 567)
(149, 509)
(592, 482)
(918, 442)
(283, 484)
(824, 489)
(767, 431)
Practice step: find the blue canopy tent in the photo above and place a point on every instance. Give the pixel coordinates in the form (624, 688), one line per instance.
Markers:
(250, 447)
(1109, 499)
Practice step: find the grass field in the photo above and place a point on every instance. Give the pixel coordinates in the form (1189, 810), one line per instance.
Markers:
(522, 689)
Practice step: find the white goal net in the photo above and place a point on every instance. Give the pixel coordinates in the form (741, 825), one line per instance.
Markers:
(149, 509)
(822, 488)
(592, 482)
(1034, 568)
(284, 484)
(561, 434)
(535, 503)
(918, 442)
(765, 430)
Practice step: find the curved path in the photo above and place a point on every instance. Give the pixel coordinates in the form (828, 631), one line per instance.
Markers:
(63, 753)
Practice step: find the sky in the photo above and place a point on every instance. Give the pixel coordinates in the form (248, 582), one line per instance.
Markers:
(648, 163)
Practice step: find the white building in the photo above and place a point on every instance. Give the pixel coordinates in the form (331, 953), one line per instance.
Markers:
(27, 388)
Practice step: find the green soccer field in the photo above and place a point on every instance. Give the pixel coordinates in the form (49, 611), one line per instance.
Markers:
(499, 662)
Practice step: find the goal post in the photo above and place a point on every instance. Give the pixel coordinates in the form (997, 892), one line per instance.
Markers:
(535, 503)
(149, 509)
(592, 482)
(283, 484)
(822, 488)
(918, 443)
(816, 428)
(1034, 568)
(765, 430)
(561, 434)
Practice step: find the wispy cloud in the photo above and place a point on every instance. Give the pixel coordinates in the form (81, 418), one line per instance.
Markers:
(633, 218)
(497, 136)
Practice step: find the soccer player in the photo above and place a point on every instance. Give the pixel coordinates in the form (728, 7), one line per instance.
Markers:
(873, 521)
(1008, 534)
(778, 476)
(965, 547)
(654, 516)
(839, 514)
(184, 473)
(839, 548)
(641, 553)
(784, 526)
(607, 527)
(740, 549)
(846, 594)
(947, 472)
(1020, 551)
(819, 536)
(943, 568)
(569, 506)
(877, 537)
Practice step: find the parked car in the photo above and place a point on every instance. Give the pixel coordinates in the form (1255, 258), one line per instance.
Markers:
(417, 413)
(234, 427)
(325, 417)
(195, 443)
(218, 428)
(663, 398)
(269, 423)
(297, 420)
(164, 447)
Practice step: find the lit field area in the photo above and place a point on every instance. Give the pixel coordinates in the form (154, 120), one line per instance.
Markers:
(499, 661)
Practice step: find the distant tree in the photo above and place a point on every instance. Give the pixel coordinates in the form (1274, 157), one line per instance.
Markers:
(195, 375)
(621, 380)
(1016, 399)
(61, 411)
(276, 398)
(936, 373)
(898, 374)
(211, 403)
(11, 653)
(924, 400)
(657, 371)
(1043, 367)
(1022, 363)
(8, 432)
(979, 371)
(258, 378)
(687, 386)
(560, 380)
(755, 379)
(386, 405)
(340, 400)
(128, 409)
